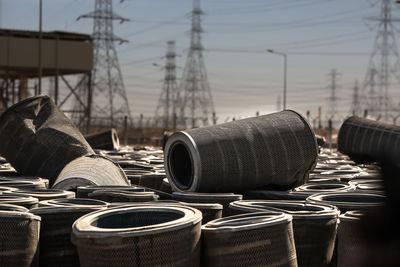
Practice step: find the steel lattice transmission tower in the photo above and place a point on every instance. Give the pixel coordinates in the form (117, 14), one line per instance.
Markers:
(197, 107)
(109, 99)
(166, 111)
(384, 63)
(332, 110)
(355, 104)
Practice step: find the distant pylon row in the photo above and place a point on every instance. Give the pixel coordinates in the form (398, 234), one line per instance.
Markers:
(190, 104)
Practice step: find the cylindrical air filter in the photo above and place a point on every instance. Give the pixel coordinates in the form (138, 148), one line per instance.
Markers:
(314, 227)
(56, 248)
(222, 198)
(254, 239)
(347, 201)
(90, 170)
(367, 140)
(107, 140)
(19, 237)
(38, 139)
(140, 235)
(276, 149)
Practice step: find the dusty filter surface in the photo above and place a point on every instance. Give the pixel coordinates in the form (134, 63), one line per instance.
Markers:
(107, 140)
(254, 239)
(314, 227)
(139, 235)
(38, 139)
(90, 170)
(367, 140)
(275, 149)
(19, 237)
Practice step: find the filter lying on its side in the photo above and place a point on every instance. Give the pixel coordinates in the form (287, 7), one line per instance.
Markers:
(107, 140)
(276, 149)
(90, 170)
(367, 140)
(38, 139)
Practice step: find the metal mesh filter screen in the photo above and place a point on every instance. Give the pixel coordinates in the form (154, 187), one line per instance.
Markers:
(270, 245)
(275, 149)
(19, 238)
(41, 140)
(367, 140)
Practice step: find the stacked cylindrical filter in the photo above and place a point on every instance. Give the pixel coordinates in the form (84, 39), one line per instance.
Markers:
(38, 139)
(107, 140)
(210, 211)
(222, 198)
(351, 241)
(315, 188)
(276, 149)
(151, 180)
(40, 182)
(140, 235)
(25, 185)
(314, 227)
(369, 140)
(347, 201)
(24, 201)
(43, 194)
(56, 248)
(254, 239)
(19, 236)
(71, 202)
(123, 196)
(84, 191)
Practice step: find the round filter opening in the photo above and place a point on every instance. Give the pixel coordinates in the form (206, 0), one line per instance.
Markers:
(136, 219)
(180, 166)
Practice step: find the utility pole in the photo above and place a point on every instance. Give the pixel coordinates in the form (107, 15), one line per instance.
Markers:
(384, 62)
(278, 103)
(170, 96)
(197, 107)
(110, 101)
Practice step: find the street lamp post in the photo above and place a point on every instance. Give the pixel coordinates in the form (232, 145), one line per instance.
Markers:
(284, 73)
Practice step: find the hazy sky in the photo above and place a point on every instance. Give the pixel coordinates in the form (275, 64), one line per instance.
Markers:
(317, 35)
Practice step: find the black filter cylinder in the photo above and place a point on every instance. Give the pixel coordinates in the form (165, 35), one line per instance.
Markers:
(254, 239)
(19, 237)
(140, 235)
(276, 149)
(84, 191)
(348, 201)
(43, 194)
(221, 198)
(314, 227)
(365, 140)
(24, 201)
(352, 241)
(56, 248)
(71, 202)
(90, 170)
(38, 139)
(123, 196)
(210, 211)
(107, 140)
(151, 180)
